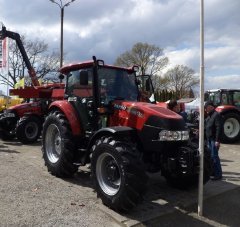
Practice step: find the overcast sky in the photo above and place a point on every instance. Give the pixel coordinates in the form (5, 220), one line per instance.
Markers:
(107, 28)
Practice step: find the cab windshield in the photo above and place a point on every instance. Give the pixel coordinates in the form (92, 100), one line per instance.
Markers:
(117, 84)
(215, 97)
(224, 98)
(114, 84)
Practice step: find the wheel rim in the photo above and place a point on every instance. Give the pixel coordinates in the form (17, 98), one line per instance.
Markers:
(31, 130)
(53, 143)
(231, 127)
(108, 174)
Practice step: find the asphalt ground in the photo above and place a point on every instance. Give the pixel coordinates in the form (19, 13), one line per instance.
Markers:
(30, 196)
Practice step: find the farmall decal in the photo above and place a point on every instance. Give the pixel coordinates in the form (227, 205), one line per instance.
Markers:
(130, 110)
(120, 107)
(135, 112)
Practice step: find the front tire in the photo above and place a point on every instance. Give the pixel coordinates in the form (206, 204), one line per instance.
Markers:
(118, 174)
(231, 127)
(58, 146)
(8, 135)
(8, 126)
(29, 129)
(189, 179)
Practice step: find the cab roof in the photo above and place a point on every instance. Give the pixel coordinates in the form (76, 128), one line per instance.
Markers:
(81, 65)
(223, 89)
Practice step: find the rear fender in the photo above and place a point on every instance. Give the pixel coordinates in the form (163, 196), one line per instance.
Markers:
(70, 113)
(226, 109)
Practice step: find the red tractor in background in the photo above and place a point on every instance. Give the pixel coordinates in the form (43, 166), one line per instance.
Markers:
(103, 122)
(227, 103)
(25, 120)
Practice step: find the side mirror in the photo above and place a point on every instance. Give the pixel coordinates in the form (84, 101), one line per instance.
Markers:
(83, 77)
(206, 96)
(135, 68)
(60, 77)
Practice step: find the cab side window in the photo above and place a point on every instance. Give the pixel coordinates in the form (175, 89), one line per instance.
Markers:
(74, 87)
(236, 98)
(224, 99)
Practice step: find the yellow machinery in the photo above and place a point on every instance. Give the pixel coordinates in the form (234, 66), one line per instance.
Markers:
(7, 101)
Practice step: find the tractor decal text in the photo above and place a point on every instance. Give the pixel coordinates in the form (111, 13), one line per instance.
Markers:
(136, 112)
(130, 110)
(120, 107)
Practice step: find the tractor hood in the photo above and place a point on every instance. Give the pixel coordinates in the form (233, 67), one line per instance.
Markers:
(23, 106)
(141, 114)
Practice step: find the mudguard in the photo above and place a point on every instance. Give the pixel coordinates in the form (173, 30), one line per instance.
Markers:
(115, 130)
(70, 113)
(227, 108)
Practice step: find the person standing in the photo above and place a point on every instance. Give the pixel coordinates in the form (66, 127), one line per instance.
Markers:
(213, 130)
(174, 106)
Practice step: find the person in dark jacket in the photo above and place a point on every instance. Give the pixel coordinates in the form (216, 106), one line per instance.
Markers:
(174, 106)
(213, 130)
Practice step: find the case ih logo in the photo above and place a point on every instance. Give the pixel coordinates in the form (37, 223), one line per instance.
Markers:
(120, 107)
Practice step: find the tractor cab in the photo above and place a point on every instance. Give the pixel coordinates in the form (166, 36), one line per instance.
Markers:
(93, 90)
(221, 97)
(112, 83)
(227, 103)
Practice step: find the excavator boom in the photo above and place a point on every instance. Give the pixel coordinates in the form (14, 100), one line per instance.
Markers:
(4, 33)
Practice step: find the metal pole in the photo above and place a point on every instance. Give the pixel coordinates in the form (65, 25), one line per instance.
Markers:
(61, 6)
(201, 125)
(7, 40)
(61, 43)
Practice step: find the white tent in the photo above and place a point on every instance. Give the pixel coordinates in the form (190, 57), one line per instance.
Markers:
(192, 106)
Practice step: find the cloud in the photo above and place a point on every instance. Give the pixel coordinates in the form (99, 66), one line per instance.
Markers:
(223, 57)
(224, 81)
(188, 57)
(109, 28)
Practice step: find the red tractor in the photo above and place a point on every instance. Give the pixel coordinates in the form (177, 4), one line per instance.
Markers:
(101, 122)
(16, 122)
(25, 120)
(227, 103)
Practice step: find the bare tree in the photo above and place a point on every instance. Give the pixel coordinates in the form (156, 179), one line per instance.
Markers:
(160, 83)
(181, 79)
(149, 58)
(41, 60)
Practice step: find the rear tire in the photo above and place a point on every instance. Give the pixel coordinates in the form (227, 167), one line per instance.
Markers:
(118, 174)
(58, 146)
(29, 129)
(231, 125)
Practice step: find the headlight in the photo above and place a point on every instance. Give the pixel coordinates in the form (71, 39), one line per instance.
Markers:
(185, 135)
(7, 113)
(166, 135)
